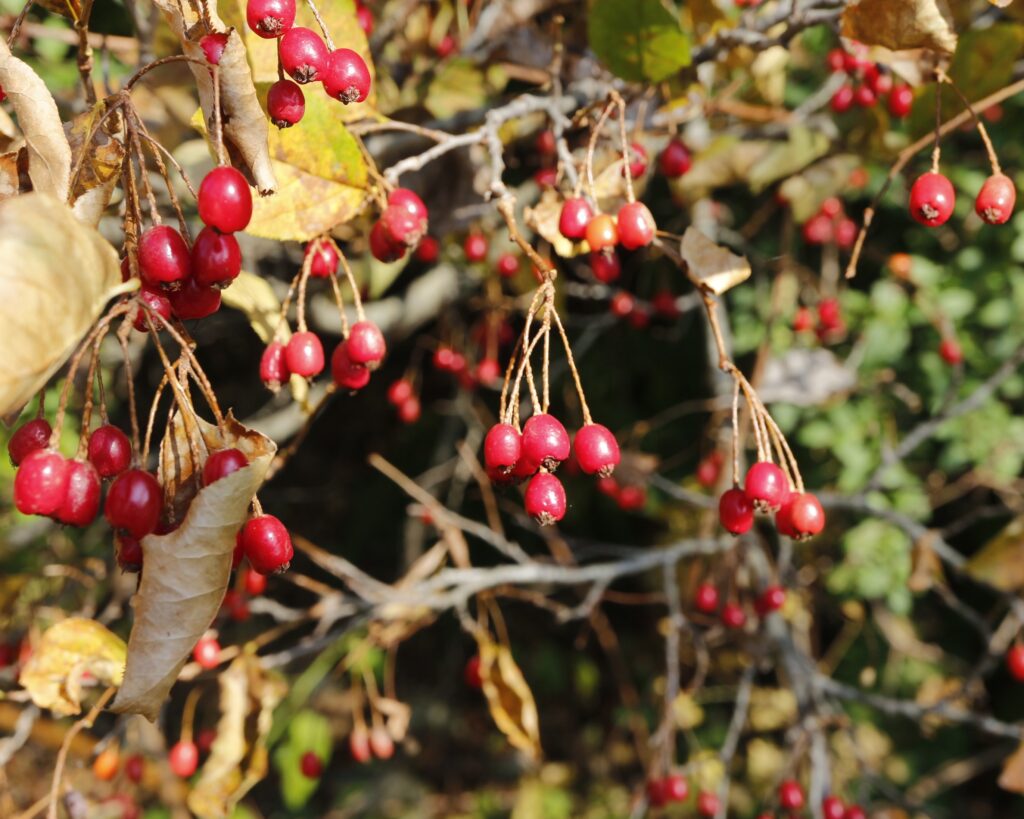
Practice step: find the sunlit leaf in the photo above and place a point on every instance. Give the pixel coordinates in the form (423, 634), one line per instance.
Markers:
(1000, 562)
(1012, 776)
(639, 40)
(308, 732)
(901, 24)
(509, 697)
(717, 268)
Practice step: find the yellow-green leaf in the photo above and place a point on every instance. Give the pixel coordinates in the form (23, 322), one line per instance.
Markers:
(1000, 562)
(639, 40)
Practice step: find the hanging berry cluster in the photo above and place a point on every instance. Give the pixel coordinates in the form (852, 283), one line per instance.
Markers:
(869, 83)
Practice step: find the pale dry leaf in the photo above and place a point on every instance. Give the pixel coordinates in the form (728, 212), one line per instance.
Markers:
(1012, 776)
(185, 573)
(70, 653)
(100, 169)
(49, 155)
(901, 24)
(397, 715)
(543, 218)
(1002, 4)
(12, 164)
(509, 697)
(46, 304)
(715, 267)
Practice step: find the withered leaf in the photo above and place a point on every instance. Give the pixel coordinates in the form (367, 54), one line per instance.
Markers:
(1012, 777)
(1000, 562)
(509, 697)
(46, 304)
(716, 267)
(99, 163)
(12, 164)
(901, 24)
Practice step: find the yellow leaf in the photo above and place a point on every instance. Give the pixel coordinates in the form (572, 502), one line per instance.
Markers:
(46, 304)
(901, 24)
(1012, 777)
(1000, 562)
(687, 712)
(772, 709)
(509, 697)
(185, 573)
(67, 652)
(716, 267)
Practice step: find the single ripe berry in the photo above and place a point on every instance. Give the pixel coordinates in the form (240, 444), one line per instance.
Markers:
(818, 230)
(879, 79)
(545, 441)
(806, 515)
(304, 355)
(508, 265)
(836, 60)
(216, 258)
(193, 301)
(830, 315)
(656, 792)
(310, 765)
(576, 215)
(637, 160)
(784, 516)
(82, 495)
(273, 366)
(707, 803)
(399, 391)
(27, 438)
(401, 227)
(475, 247)
(409, 410)
(488, 371)
(622, 304)
(346, 76)
(932, 199)
(733, 615)
(128, 553)
(635, 225)
(803, 320)
(222, 463)
(996, 199)
(832, 807)
(365, 345)
(41, 482)
(710, 468)
(545, 142)
(631, 498)
(213, 46)
(546, 177)
(381, 743)
(303, 54)
(677, 789)
(225, 201)
(410, 202)
(133, 503)
(236, 605)
(842, 99)
(270, 18)
(267, 544)
(846, 233)
(382, 246)
(791, 795)
(832, 207)
(106, 763)
(766, 485)
(855, 812)
(1015, 662)
(597, 451)
(163, 256)
(428, 250)
(736, 511)
(606, 266)
(771, 599)
(864, 96)
(359, 745)
(207, 652)
(503, 446)
(601, 233)
(901, 100)
(347, 374)
(134, 767)
(365, 18)
(674, 160)
(705, 599)
(286, 104)
(663, 303)
(471, 673)
(184, 756)
(446, 46)
(545, 498)
(254, 582)
(324, 263)
(159, 308)
(951, 352)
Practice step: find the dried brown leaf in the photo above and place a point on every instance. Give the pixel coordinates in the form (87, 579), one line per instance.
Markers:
(509, 697)
(1012, 777)
(100, 166)
(901, 24)
(46, 304)
(716, 267)
(1000, 562)
(49, 155)
(13, 173)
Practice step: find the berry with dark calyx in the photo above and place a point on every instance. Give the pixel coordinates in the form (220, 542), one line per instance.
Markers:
(706, 599)
(855, 812)
(606, 266)
(267, 544)
(832, 807)
(133, 503)
(771, 599)
(656, 792)
(597, 451)
(382, 246)
(346, 76)
(409, 410)
(273, 366)
(710, 468)
(503, 446)
(637, 160)
(733, 615)
(286, 104)
(41, 482)
(29, 437)
(381, 743)
(159, 308)
(225, 201)
(213, 46)
(310, 765)
(303, 54)
(475, 247)
(399, 391)
(270, 18)
(365, 345)
(183, 757)
(901, 100)
(736, 511)
(347, 374)
(488, 372)
(304, 354)
(931, 199)
(164, 258)
(674, 160)
(193, 301)
(222, 463)
(766, 485)
(216, 258)
(950, 350)
(325, 259)
(82, 496)
(133, 768)
(601, 233)
(128, 553)
(1015, 662)
(635, 225)
(842, 99)
(707, 803)
(545, 499)
(791, 795)
(545, 441)
(401, 227)
(428, 250)
(254, 582)
(806, 515)
(508, 265)
(996, 199)
(677, 789)
(574, 218)
(359, 744)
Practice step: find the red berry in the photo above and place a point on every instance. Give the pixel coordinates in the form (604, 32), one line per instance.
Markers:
(772, 599)
(346, 77)
(879, 79)
(855, 812)
(597, 451)
(445, 46)
(576, 215)
(347, 374)
(622, 304)
(159, 308)
(359, 745)
(428, 250)
(508, 265)
(409, 201)
(901, 100)
(637, 160)
(864, 96)
(29, 437)
(286, 104)
(545, 441)
(631, 498)
(836, 60)
(606, 266)
(304, 354)
(733, 615)
(710, 469)
(133, 503)
(1015, 662)
(736, 511)
(545, 142)
(409, 410)
(216, 258)
(488, 371)
(471, 673)
(766, 484)
(193, 301)
(129, 553)
(677, 789)
(806, 514)
(818, 230)
(707, 803)
(381, 744)
(41, 482)
(705, 599)
(951, 352)
(254, 582)
(674, 160)
(503, 446)
(842, 99)
(791, 795)
(932, 199)
(829, 314)
(236, 605)
(664, 304)
(222, 463)
(225, 201)
(213, 46)
(996, 199)
(852, 63)
(267, 544)
(546, 177)
(401, 227)
(635, 225)
(832, 807)
(832, 207)
(382, 246)
(303, 54)
(310, 765)
(365, 345)
(133, 768)
(365, 18)
(324, 259)
(184, 756)
(656, 792)
(601, 233)
(207, 652)
(399, 391)
(846, 233)
(273, 366)
(163, 256)
(475, 247)
(270, 18)
(803, 320)
(545, 498)
(82, 496)
(784, 516)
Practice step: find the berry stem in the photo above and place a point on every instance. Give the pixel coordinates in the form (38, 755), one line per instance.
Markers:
(735, 432)
(937, 150)
(982, 131)
(630, 196)
(591, 146)
(357, 300)
(300, 302)
(188, 714)
(587, 419)
(340, 301)
(196, 368)
(133, 411)
(136, 147)
(151, 420)
(83, 439)
(218, 118)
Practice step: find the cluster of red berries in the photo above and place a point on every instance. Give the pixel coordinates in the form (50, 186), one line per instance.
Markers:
(351, 362)
(304, 56)
(663, 305)
(666, 789)
(870, 83)
(932, 199)
(830, 224)
(628, 497)
(633, 227)
(187, 283)
(365, 744)
(829, 325)
(708, 600)
(401, 226)
(767, 489)
(402, 396)
(511, 456)
(791, 799)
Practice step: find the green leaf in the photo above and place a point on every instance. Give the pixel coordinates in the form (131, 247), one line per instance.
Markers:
(639, 40)
(307, 732)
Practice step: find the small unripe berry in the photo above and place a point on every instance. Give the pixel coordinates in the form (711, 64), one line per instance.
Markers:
(601, 233)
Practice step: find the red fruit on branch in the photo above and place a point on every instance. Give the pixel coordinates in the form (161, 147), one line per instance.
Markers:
(635, 225)
(41, 482)
(707, 803)
(81, 500)
(508, 265)
(134, 767)
(931, 199)
(606, 266)
(128, 553)
(791, 795)
(193, 301)
(705, 599)
(206, 652)
(901, 100)
(1015, 662)
(832, 807)
(216, 258)
(346, 373)
(304, 355)
(365, 18)
(675, 160)
(133, 504)
(836, 60)
(471, 673)
(408, 201)
(803, 320)
(359, 745)
(601, 233)
(365, 345)
(488, 372)
(346, 77)
(766, 485)
(842, 99)
(401, 227)
(597, 451)
(266, 544)
(710, 468)
(428, 250)
(574, 218)
(399, 391)
(310, 765)
(409, 410)
(996, 199)
(855, 812)
(545, 142)
(222, 463)
(225, 201)
(656, 792)
(864, 96)
(382, 247)
(951, 352)
(733, 615)
(324, 263)
(164, 258)
(631, 498)
(676, 788)
(545, 499)
(475, 247)
(183, 758)
(286, 104)
(545, 441)
(381, 744)
(273, 366)
(503, 446)
(784, 516)
(771, 599)
(303, 54)
(159, 308)
(255, 583)
(806, 515)
(736, 511)
(270, 18)
(29, 437)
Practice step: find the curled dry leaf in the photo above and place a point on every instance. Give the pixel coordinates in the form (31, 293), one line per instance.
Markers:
(1012, 776)
(238, 758)
(509, 697)
(98, 164)
(901, 24)
(543, 218)
(716, 268)
(49, 155)
(72, 652)
(14, 173)
(185, 573)
(46, 305)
